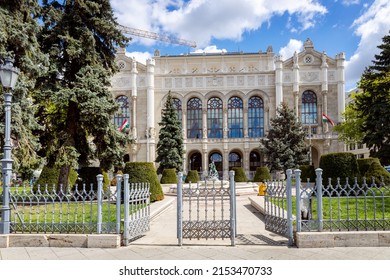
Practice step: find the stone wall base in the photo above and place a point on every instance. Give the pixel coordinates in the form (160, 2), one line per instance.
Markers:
(342, 239)
(61, 240)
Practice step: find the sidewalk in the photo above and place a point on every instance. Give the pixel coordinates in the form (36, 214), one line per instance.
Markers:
(160, 243)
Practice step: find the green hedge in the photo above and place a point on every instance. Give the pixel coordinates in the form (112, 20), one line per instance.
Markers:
(88, 176)
(239, 174)
(365, 163)
(262, 174)
(169, 176)
(49, 177)
(339, 165)
(378, 171)
(140, 172)
(308, 172)
(192, 176)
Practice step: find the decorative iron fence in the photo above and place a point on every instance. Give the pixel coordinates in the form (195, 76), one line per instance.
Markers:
(81, 209)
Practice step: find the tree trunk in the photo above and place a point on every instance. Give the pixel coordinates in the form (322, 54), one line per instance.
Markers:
(63, 178)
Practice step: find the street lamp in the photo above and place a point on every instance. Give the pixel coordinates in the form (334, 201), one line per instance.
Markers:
(8, 76)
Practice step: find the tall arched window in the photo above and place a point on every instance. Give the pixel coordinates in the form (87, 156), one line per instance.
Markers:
(255, 117)
(177, 106)
(234, 160)
(214, 118)
(123, 112)
(195, 162)
(309, 108)
(194, 118)
(235, 117)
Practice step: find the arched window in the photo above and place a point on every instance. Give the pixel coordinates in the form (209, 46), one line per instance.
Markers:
(235, 119)
(234, 160)
(177, 105)
(309, 108)
(195, 162)
(254, 160)
(214, 118)
(255, 117)
(218, 161)
(194, 118)
(123, 112)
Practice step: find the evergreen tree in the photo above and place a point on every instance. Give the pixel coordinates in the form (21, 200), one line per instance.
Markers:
(18, 29)
(373, 104)
(75, 104)
(285, 145)
(170, 143)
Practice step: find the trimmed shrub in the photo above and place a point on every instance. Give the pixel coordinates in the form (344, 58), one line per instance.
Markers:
(365, 163)
(262, 174)
(378, 171)
(142, 172)
(192, 177)
(339, 165)
(239, 174)
(169, 176)
(308, 172)
(88, 177)
(49, 177)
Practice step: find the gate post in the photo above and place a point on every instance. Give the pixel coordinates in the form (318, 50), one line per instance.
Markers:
(118, 202)
(233, 220)
(297, 173)
(126, 209)
(289, 209)
(179, 194)
(319, 198)
(99, 203)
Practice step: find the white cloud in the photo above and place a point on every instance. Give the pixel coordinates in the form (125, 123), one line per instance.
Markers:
(350, 2)
(371, 27)
(202, 20)
(139, 56)
(210, 49)
(292, 46)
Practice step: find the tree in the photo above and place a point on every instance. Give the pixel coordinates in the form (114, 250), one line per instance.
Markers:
(18, 29)
(285, 145)
(170, 140)
(75, 104)
(373, 104)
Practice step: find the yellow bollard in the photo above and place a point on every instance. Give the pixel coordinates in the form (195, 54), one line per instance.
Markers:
(262, 188)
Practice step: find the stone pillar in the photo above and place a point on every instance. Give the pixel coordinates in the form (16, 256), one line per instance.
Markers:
(225, 164)
(279, 80)
(245, 122)
(150, 63)
(225, 123)
(340, 60)
(296, 84)
(205, 162)
(133, 124)
(184, 124)
(204, 121)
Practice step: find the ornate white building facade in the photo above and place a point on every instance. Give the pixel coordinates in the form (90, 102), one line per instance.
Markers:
(225, 102)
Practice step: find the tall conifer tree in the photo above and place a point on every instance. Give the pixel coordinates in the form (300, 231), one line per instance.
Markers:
(18, 29)
(76, 105)
(285, 145)
(170, 142)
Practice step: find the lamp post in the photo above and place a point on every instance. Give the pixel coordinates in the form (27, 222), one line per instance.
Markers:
(8, 76)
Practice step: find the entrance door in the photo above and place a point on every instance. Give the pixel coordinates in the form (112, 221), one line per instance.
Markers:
(218, 161)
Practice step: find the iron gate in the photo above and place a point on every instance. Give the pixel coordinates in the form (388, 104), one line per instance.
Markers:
(206, 209)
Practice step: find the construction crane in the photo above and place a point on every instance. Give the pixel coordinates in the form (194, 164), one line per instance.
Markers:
(156, 36)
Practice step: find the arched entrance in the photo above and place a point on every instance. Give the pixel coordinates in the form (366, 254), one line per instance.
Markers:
(235, 160)
(195, 162)
(217, 158)
(254, 160)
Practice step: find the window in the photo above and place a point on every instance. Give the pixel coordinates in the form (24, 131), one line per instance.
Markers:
(194, 118)
(254, 161)
(177, 106)
(309, 108)
(214, 118)
(234, 160)
(235, 119)
(255, 117)
(123, 112)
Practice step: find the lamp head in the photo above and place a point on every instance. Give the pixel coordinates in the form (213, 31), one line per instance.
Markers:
(8, 73)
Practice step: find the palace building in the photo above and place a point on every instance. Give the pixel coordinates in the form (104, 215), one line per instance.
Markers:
(225, 102)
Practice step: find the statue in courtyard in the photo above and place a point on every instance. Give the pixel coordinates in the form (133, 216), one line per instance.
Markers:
(213, 173)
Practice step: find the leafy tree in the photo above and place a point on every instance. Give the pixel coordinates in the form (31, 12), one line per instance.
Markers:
(75, 104)
(170, 142)
(373, 104)
(18, 29)
(285, 145)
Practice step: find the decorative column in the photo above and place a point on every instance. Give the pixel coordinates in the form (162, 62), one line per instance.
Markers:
(205, 161)
(340, 60)
(150, 63)
(225, 123)
(296, 84)
(225, 164)
(245, 122)
(133, 75)
(279, 80)
(324, 88)
(204, 121)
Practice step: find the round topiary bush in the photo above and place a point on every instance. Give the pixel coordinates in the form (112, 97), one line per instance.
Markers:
(239, 174)
(262, 174)
(365, 163)
(308, 172)
(339, 165)
(377, 171)
(49, 178)
(192, 176)
(169, 176)
(141, 172)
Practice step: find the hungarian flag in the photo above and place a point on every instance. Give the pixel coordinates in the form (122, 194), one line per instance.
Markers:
(325, 119)
(124, 125)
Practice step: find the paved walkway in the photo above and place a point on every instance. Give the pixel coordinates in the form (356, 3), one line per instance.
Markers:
(253, 242)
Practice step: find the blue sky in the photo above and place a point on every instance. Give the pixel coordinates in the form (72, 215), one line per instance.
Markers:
(355, 27)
